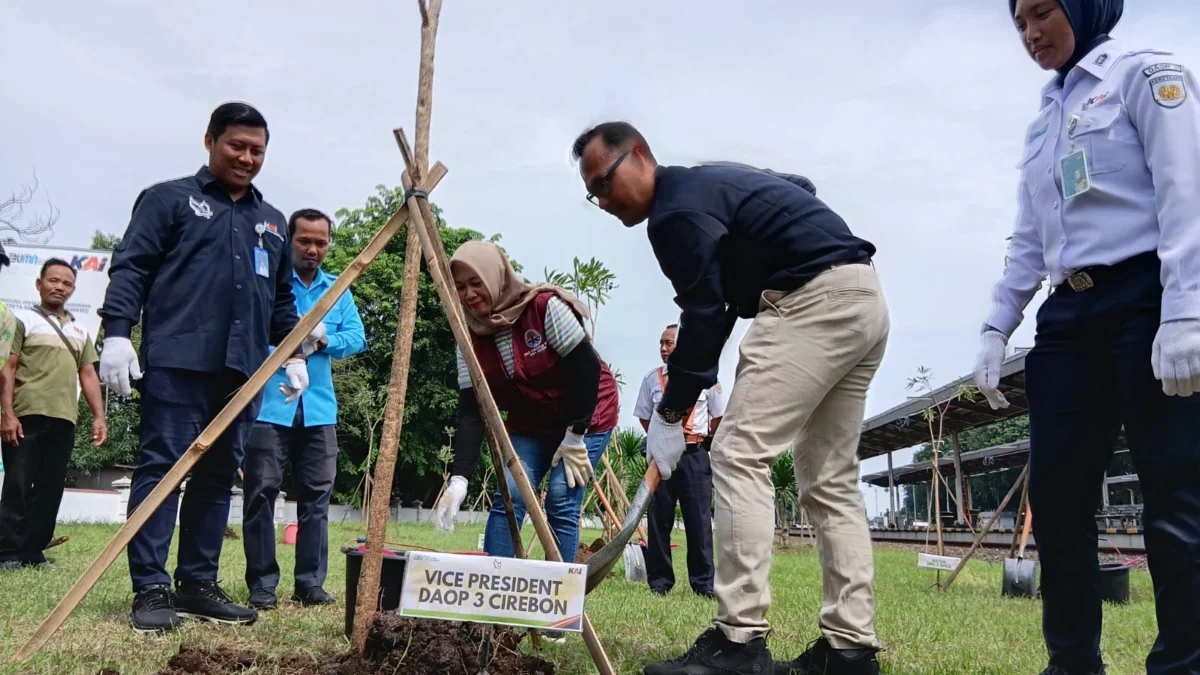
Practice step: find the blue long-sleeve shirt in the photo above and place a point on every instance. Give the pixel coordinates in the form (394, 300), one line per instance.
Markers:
(185, 267)
(723, 234)
(344, 330)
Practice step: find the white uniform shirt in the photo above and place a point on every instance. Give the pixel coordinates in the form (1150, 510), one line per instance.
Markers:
(710, 405)
(1136, 117)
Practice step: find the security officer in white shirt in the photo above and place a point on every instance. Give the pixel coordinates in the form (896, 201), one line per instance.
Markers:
(690, 485)
(1109, 209)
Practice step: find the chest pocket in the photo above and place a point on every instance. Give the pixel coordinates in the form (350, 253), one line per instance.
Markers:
(1099, 132)
(1033, 163)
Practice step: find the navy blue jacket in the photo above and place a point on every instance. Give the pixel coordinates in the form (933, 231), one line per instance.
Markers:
(723, 234)
(185, 268)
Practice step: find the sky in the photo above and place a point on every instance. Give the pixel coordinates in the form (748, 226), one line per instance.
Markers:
(908, 116)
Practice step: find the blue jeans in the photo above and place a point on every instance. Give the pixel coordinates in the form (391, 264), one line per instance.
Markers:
(562, 503)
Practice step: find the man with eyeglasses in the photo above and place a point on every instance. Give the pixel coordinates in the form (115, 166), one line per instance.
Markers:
(737, 241)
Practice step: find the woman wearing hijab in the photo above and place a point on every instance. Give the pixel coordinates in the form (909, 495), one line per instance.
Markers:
(540, 366)
(1109, 209)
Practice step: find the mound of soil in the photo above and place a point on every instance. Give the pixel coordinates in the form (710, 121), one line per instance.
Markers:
(395, 646)
(585, 553)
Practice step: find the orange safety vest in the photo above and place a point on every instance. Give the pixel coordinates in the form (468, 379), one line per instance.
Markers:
(688, 430)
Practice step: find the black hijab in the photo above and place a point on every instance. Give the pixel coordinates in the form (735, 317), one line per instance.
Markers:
(1091, 20)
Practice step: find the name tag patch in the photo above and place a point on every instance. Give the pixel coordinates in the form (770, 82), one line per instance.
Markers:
(1169, 90)
(1160, 67)
(1038, 134)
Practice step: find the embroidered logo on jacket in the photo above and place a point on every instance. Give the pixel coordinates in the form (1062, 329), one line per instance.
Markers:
(1169, 90)
(533, 339)
(200, 208)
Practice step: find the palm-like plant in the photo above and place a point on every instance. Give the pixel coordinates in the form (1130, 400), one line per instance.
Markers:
(787, 492)
(628, 458)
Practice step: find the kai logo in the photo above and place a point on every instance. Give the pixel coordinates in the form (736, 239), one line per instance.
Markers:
(89, 263)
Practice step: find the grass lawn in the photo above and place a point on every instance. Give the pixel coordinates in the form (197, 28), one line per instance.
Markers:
(968, 630)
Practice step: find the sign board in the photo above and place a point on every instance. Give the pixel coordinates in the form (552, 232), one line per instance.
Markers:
(479, 546)
(937, 562)
(17, 281)
(487, 589)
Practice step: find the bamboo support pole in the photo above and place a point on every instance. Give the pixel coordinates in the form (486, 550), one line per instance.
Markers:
(987, 528)
(213, 431)
(425, 224)
(385, 464)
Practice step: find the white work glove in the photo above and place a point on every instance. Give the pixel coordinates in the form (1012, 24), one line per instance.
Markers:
(574, 455)
(448, 504)
(296, 371)
(987, 368)
(665, 444)
(314, 339)
(1175, 357)
(119, 365)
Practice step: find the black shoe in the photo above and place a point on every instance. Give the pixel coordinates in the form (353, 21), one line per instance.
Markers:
(822, 659)
(205, 601)
(1055, 670)
(154, 610)
(714, 654)
(263, 599)
(555, 636)
(312, 596)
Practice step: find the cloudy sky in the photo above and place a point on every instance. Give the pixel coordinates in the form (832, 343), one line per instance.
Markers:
(908, 116)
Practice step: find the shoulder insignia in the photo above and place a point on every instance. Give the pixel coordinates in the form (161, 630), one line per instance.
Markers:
(1160, 67)
(1169, 90)
(200, 208)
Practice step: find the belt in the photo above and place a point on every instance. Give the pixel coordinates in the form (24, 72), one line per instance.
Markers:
(693, 447)
(693, 439)
(1089, 277)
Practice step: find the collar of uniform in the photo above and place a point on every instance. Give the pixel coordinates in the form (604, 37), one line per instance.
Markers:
(322, 278)
(67, 312)
(1106, 53)
(206, 178)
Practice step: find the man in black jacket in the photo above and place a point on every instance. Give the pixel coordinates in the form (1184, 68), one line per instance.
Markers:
(737, 241)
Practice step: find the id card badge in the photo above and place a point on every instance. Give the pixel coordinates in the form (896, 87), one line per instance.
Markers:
(1076, 179)
(260, 262)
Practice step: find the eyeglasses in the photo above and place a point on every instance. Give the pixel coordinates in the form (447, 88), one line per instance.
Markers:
(601, 185)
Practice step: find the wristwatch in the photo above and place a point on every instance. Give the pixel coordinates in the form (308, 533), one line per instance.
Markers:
(671, 416)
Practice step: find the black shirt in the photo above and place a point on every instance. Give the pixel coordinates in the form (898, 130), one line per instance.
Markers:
(725, 234)
(186, 267)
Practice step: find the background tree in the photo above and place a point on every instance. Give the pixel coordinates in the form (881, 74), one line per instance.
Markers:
(38, 229)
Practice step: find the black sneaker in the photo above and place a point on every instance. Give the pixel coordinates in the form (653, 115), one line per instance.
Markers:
(312, 596)
(822, 659)
(154, 610)
(263, 599)
(1055, 670)
(205, 601)
(714, 654)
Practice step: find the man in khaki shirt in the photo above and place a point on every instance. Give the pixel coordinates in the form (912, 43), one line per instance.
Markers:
(52, 358)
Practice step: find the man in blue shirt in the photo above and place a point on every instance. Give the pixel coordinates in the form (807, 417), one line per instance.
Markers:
(302, 431)
(205, 265)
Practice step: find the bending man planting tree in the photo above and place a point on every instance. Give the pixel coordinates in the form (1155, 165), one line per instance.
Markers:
(736, 241)
(541, 368)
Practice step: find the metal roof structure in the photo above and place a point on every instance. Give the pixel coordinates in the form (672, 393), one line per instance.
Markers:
(904, 426)
(975, 463)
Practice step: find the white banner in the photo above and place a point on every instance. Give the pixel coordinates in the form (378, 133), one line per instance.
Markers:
(937, 562)
(17, 289)
(485, 589)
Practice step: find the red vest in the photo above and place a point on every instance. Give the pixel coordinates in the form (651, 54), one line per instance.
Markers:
(536, 396)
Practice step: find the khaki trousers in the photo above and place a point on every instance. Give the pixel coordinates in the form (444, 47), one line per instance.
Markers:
(803, 371)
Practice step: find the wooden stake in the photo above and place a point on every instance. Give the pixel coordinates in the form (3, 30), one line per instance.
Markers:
(987, 528)
(423, 219)
(213, 431)
(385, 464)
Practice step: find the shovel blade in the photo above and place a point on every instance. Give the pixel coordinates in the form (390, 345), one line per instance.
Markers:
(600, 564)
(1020, 578)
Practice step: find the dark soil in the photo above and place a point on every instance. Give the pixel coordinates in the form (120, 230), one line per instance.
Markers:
(395, 646)
(585, 553)
(230, 534)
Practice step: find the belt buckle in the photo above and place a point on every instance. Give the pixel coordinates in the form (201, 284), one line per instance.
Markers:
(1080, 281)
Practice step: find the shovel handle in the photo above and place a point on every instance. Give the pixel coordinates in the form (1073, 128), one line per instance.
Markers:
(652, 477)
(1025, 531)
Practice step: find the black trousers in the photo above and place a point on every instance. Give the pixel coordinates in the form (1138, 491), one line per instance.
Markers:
(691, 487)
(1088, 373)
(176, 406)
(312, 452)
(35, 473)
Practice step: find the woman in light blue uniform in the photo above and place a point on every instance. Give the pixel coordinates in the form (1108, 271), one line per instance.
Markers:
(1109, 210)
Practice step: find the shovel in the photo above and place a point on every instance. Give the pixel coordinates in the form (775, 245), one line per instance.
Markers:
(602, 563)
(1020, 574)
(635, 562)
